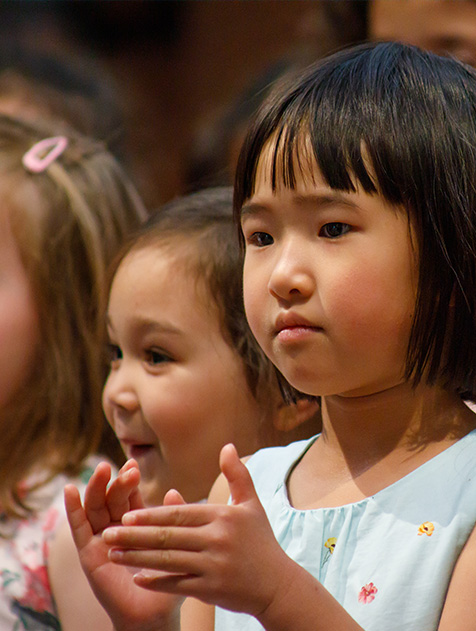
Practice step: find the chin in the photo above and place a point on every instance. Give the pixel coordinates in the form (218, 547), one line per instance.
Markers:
(151, 495)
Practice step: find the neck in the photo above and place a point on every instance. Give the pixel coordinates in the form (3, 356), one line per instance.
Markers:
(363, 430)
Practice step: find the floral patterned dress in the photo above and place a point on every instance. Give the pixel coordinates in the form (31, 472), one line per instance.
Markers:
(26, 601)
(388, 558)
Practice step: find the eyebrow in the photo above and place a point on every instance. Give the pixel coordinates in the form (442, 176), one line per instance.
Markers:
(321, 201)
(148, 325)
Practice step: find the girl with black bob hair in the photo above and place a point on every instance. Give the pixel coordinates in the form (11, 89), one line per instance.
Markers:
(391, 120)
(355, 193)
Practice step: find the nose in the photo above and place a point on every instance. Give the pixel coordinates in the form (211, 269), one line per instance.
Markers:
(291, 278)
(119, 391)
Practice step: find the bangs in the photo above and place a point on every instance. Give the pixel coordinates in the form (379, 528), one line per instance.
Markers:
(367, 122)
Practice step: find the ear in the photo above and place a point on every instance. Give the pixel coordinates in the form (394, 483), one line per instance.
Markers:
(290, 416)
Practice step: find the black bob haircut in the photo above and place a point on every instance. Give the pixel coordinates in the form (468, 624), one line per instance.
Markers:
(412, 115)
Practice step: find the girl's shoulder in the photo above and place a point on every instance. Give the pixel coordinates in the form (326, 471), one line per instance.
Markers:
(269, 467)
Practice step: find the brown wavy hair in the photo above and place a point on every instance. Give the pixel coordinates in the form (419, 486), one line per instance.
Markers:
(68, 222)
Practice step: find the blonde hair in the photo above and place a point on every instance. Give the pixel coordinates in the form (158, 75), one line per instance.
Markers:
(68, 222)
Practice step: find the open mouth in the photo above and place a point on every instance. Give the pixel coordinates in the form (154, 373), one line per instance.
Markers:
(138, 451)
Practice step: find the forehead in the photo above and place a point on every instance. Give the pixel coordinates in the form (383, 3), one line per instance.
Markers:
(157, 274)
(151, 264)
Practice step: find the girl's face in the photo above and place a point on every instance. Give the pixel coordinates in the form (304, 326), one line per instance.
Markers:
(19, 326)
(330, 281)
(176, 391)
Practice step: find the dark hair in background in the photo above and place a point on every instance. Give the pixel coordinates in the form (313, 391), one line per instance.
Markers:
(73, 88)
(212, 154)
(400, 122)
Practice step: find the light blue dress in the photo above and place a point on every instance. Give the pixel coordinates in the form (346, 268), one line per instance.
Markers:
(388, 558)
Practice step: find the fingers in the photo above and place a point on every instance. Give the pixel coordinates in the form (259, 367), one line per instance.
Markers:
(123, 494)
(176, 561)
(239, 480)
(78, 522)
(105, 504)
(165, 582)
(95, 497)
(176, 514)
(172, 498)
(155, 538)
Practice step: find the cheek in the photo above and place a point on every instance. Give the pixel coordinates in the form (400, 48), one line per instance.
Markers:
(174, 410)
(375, 308)
(254, 295)
(106, 404)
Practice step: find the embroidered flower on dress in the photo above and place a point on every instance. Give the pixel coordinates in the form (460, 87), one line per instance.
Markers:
(330, 544)
(427, 528)
(367, 593)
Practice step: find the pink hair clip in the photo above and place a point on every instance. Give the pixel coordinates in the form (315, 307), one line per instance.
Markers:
(43, 153)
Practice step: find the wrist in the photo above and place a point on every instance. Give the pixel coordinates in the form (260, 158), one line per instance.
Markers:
(169, 623)
(302, 602)
(275, 616)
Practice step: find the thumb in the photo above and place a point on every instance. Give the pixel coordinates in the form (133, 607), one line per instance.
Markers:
(239, 480)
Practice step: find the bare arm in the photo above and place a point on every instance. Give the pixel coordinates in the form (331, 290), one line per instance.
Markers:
(459, 611)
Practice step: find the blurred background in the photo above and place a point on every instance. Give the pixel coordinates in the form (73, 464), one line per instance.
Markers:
(168, 76)
(169, 85)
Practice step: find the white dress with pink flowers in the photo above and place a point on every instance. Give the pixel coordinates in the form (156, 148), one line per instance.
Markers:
(387, 559)
(26, 601)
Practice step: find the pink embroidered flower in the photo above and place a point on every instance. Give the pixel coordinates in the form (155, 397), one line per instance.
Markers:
(367, 593)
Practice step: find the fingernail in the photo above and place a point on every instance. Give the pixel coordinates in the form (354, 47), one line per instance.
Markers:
(129, 519)
(110, 534)
(146, 574)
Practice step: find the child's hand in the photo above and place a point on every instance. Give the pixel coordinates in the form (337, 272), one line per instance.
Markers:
(129, 607)
(224, 555)
(106, 505)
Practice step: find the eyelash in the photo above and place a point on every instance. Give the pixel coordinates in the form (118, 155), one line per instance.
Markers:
(153, 356)
(114, 353)
(257, 237)
(326, 231)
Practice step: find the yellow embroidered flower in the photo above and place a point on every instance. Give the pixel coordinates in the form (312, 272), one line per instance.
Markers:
(427, 528)
(330, 545)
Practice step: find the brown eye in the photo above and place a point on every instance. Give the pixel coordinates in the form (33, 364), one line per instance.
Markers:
(334, 230)
(114, 353)
(155, 357)
(261, 239)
